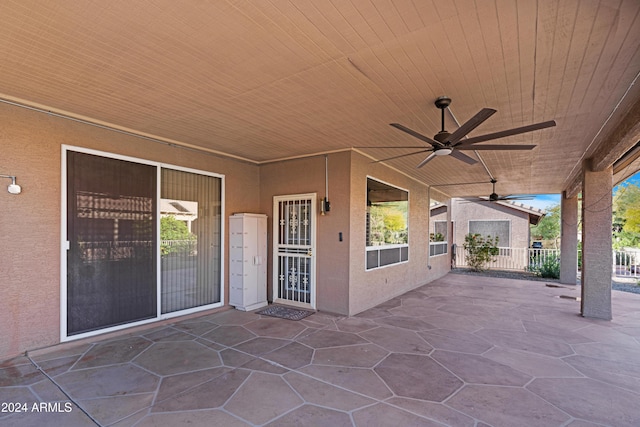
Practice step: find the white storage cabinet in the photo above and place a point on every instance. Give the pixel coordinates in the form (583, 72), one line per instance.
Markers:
(248, 261)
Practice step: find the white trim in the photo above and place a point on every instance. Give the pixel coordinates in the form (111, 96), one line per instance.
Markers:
(388, 246)
(64, 244)
(383, 247)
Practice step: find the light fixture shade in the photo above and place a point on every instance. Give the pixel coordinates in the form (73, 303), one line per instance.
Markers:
(443, 151)
(14, 189)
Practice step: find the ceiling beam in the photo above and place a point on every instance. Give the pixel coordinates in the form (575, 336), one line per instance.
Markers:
(617, 143)
(575, 187)
(623, 138)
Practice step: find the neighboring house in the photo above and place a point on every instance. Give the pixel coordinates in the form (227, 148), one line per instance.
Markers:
(509, 220)
(181, 210)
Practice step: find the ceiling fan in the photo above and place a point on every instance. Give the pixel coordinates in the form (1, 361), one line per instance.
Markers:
(494, 197)
(445, 143)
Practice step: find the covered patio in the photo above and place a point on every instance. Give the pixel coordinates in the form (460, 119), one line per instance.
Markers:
(459, 351)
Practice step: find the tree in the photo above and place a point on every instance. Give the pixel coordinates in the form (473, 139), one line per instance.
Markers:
(549, 226)
(626, 216)
(176, 231)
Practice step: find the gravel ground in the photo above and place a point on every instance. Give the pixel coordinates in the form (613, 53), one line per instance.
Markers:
(619, 284)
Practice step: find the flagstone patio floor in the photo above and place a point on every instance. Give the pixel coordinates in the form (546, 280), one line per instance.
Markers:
(460, 351)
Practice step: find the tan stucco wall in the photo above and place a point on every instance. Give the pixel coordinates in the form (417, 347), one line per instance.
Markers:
(462, 213)
(30, 222)
(332, 256)
(369, 288)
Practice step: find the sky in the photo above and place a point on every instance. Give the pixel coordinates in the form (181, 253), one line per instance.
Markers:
(544, 201)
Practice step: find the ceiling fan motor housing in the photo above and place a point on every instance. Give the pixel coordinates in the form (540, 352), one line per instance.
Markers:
(443, 102)
(442, 136)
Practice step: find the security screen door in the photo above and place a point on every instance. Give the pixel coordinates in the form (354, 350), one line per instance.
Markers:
(294, 247)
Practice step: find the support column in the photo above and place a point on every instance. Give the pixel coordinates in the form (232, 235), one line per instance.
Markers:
(450, 235)
(569, 240)
(596, 241)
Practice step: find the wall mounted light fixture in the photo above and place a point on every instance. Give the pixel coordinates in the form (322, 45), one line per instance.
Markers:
(13, 188)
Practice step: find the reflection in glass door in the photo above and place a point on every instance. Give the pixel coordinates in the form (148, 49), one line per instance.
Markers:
(190, 240)
(111, 234)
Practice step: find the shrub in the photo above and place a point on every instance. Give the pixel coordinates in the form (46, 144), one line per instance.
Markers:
(549, 269)
(479, 251)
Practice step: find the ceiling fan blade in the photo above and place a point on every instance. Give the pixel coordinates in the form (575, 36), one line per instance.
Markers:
(502, 134)
(517, 198)
(495, 147)
(402, 155)
(392, 146)
(470, 125)
(461, 156)
(415, 134)
(426, 160)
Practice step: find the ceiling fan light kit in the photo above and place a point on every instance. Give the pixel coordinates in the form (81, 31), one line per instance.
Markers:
(445, 143)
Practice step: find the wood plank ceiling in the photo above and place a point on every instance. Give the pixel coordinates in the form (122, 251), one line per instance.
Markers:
(267, 80)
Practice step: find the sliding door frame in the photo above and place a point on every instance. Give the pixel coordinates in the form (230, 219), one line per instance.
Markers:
(64, 243)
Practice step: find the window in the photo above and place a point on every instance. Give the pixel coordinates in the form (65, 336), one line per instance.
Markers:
(499, 228)
(438, 238)
(386, 224)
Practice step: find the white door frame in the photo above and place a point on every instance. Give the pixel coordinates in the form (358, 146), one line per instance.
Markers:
(298, 252)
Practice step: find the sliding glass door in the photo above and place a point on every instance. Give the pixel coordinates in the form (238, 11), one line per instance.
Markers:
(111, 261)
(143, 241)
(190, 240)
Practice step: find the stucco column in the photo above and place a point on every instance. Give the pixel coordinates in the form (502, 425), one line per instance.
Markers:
(596, 242)
(450, 236)
(569, 240)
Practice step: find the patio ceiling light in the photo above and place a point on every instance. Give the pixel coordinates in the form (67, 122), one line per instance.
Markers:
(13, 188)
(443, 151)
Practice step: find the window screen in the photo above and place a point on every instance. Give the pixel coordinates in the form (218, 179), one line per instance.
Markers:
(111, 261)
(499, 228)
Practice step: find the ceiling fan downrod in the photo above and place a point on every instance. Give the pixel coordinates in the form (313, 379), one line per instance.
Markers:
(442, 102)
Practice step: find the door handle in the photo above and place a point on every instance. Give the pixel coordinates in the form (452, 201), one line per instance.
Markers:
(309, 252)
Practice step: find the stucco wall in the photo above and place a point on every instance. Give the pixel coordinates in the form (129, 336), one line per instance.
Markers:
(30, 222)
(462, 214)
(369, 288)
(332, 256)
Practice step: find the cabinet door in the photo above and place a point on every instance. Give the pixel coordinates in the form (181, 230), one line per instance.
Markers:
(236, 262)
(251, 261)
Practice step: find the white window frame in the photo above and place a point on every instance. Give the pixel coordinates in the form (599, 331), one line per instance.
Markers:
(435, 245)
(64, 244)
(379, 248)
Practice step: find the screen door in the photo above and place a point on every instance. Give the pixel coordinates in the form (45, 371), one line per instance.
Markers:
(111, 234)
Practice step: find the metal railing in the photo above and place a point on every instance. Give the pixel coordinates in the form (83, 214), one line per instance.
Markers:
(625, 263)
(522, 259)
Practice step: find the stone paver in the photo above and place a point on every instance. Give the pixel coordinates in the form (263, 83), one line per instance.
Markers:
(461, 351)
